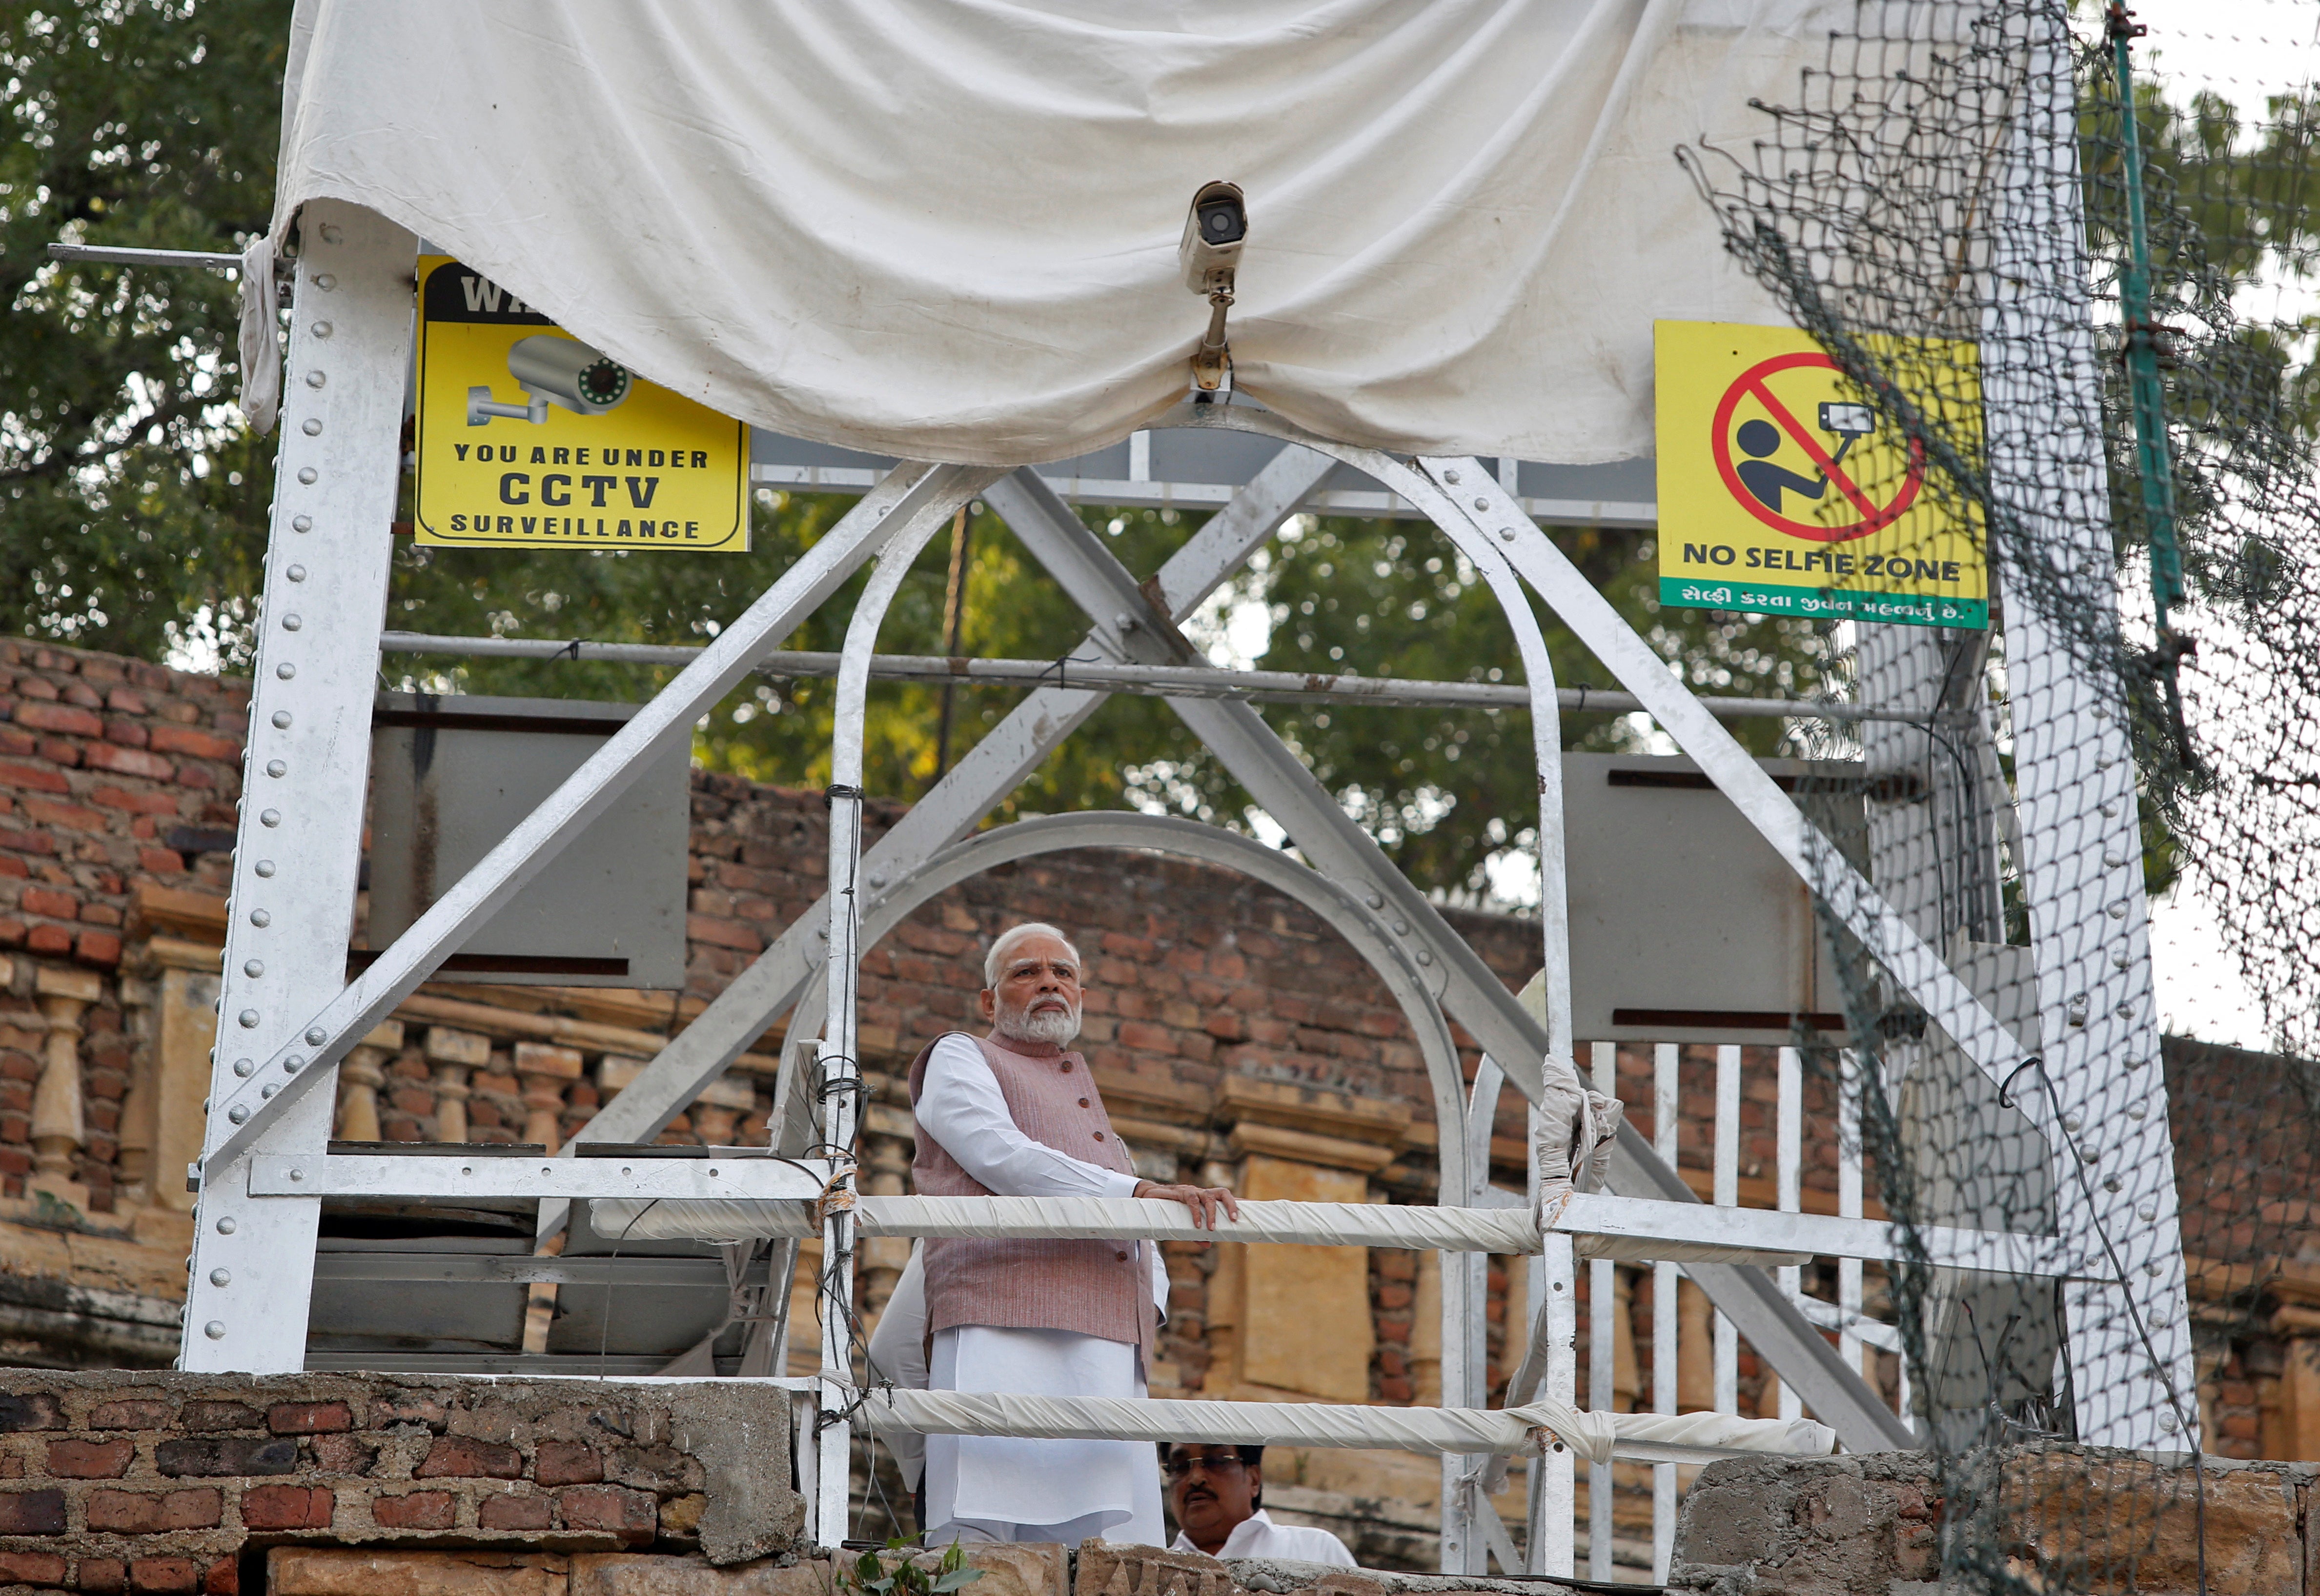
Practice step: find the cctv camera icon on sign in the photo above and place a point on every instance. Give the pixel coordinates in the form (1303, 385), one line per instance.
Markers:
(554, 370)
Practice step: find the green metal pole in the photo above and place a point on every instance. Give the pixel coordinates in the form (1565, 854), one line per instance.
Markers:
(2147, 396)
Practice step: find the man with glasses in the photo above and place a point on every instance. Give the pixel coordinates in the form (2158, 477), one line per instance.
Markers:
(1218, 1495)
(1015, 1113)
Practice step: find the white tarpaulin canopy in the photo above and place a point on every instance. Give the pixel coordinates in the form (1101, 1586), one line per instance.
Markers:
(946, 229)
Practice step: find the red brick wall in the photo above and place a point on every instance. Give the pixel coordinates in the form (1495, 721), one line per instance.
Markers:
(161, 1483)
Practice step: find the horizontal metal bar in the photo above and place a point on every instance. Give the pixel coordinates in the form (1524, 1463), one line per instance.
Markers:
(521, 1268)
(1164, 681)
(422, 1179)
(1628, 514)
(1646, 1220)
(125, 256)
(590, 1366)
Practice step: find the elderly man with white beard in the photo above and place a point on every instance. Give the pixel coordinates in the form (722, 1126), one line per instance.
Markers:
(1014, 1113)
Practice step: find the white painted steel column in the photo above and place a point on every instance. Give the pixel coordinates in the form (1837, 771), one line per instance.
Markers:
(841, 1070)
(1465, 1307)
(1727, 1195)
(298, 844)
(1551, 1550)
(1788, 1156)
(2129, 1339)
(1665, 1142)
(1603, 1354)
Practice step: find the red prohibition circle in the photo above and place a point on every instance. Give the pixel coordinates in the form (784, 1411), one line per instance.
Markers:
(1874, 518)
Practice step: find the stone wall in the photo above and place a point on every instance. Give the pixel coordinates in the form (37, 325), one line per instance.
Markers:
(168, 1483)
(2066, 1518)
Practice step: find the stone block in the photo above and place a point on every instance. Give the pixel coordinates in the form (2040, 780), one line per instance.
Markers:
(516, 1513)
(344, 1454)
(566, 1463)
(90, 1460)
(446, 1045)
(32, 1568)
(638, 1573)
(467, 1457)
(415, 1510)
(2110, 1523)
(308, 1418)
(156, 1512)
(316, 1571)
(32, 1512)
(631, 1515)
(132, 1413)
(287, 1507)
(164, 1576)
(1107, 1570)
(217, 1415)
(24, 1410)
(218, 1456)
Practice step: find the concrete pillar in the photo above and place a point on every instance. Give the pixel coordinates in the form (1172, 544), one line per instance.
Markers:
(454, 1053)
(360, 1079)
(546, 1071)
(59, 1129)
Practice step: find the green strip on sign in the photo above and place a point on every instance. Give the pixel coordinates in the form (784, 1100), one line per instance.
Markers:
(1826, 603)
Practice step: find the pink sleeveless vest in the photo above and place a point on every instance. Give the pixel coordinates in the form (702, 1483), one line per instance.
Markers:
(1095, 1288)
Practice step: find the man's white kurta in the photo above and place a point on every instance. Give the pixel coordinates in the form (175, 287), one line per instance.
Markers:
(1257, 1536)
(1029, 1490)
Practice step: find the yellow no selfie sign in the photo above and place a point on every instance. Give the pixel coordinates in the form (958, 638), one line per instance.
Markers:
(1782, 493)
(527, 437)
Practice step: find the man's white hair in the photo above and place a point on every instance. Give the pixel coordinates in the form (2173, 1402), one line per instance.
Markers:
(1014, 937)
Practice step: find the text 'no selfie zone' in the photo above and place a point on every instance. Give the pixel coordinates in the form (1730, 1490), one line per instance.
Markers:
(1782, 492)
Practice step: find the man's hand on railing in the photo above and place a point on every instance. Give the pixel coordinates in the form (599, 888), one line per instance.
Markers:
(1203, 1200)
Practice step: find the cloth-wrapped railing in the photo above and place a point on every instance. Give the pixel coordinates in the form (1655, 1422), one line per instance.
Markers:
(1598, 1438)
(1514, 1230)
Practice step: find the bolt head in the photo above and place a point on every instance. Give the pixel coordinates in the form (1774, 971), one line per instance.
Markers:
(271, 817)
(214, 1329)
(248, 1018)
(239, 1113)
(227, 1226)
(277, 769)
(221, 1277)
(316, 1035)
(315, 379)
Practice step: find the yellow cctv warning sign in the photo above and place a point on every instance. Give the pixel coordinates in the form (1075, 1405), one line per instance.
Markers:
(1784, 491)
(527, 437)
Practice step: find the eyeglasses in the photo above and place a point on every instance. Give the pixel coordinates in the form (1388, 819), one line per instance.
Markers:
(1176, 1468)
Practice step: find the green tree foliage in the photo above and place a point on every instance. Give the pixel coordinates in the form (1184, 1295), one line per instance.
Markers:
(135, 499)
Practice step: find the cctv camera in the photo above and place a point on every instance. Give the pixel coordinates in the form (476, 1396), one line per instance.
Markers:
(1210, 254)
(1213, 232)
